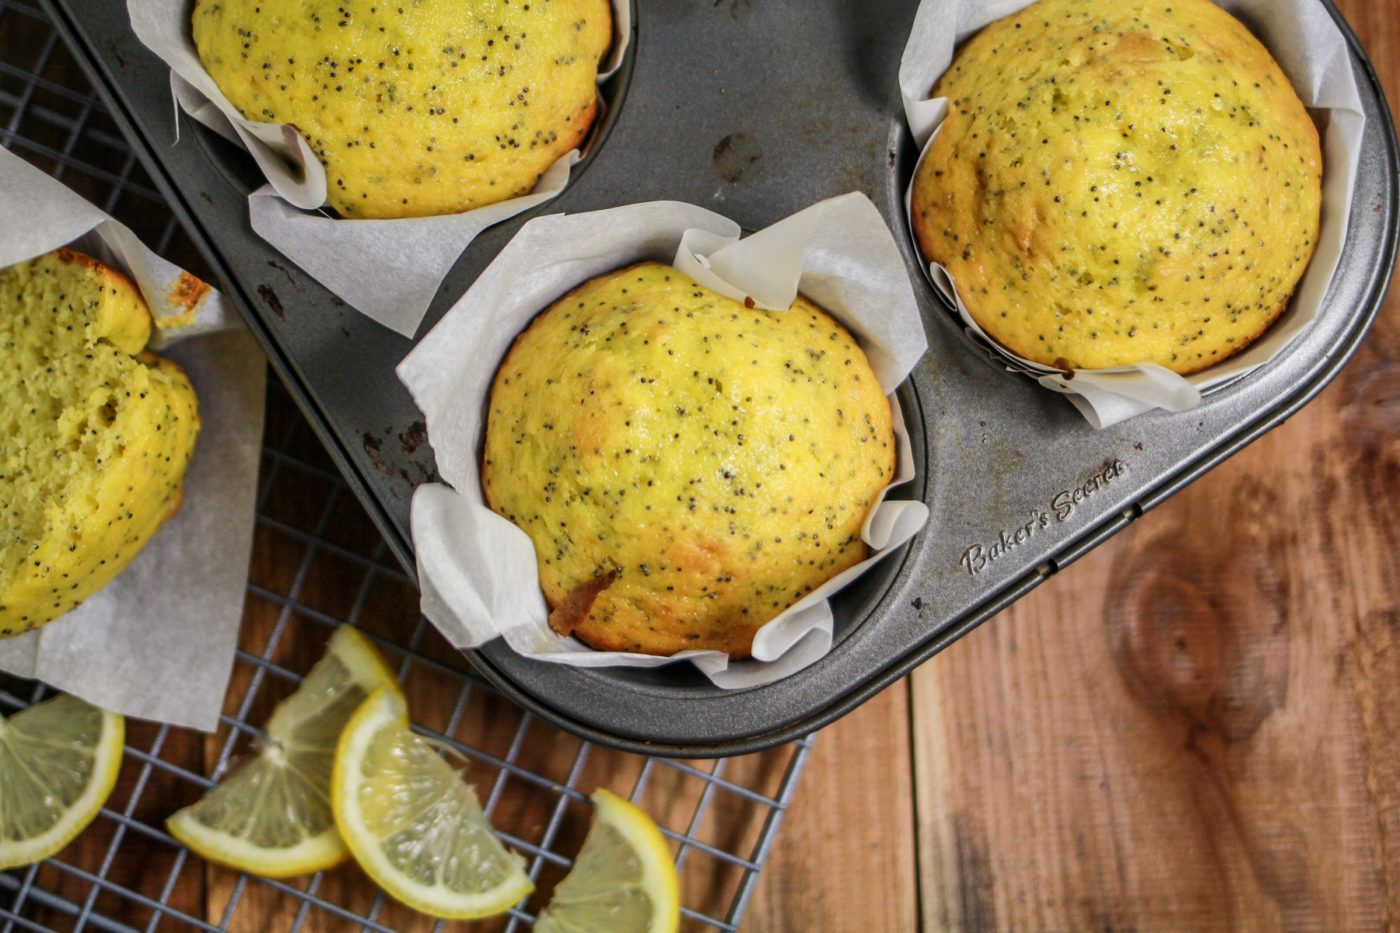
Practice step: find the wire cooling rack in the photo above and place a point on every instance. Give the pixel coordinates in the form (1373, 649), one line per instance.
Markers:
(318, 561)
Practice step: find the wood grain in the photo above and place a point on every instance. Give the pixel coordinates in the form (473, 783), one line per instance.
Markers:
(1195, 726)
(845, 854)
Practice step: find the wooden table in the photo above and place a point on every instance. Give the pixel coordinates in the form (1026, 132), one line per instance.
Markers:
(1195, 727)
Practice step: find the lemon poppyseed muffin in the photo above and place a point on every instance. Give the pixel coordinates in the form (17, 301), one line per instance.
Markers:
(686, 466)
(96, 434)
(415, 108)
(1120, 183)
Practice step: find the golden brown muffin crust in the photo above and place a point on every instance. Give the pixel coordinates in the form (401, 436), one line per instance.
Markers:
(1120, 183)
(95, 434)
(718, 460)
(415, 109)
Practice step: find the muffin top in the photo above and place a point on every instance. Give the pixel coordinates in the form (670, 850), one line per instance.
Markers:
(1120, 183)
(686, 466)
(95, 434)
(415, 108)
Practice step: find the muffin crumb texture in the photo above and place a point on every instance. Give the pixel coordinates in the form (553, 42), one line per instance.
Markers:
(1121, 183)
(96, 434)
(414, 107)
(686, 466)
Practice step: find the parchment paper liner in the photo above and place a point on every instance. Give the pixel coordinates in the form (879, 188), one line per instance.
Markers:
(1312, 51)
(158, 641)
(389, 270)
(478, 572)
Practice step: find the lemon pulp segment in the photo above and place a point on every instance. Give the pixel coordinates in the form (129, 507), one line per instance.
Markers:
(414, 825)
(58, 764)
(623, 881)
(273, 815)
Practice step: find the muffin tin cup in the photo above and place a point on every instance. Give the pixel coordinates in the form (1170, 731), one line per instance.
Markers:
(479, 572)
(756, 110)
(387, 269)
(1311, 49)
(173, 613)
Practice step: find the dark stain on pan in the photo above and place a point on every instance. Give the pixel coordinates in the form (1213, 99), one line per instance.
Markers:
(413, 436)
(850, 151)
(739, 10)
(114, 51)
(425, 475)
(736, 156)
(268, 295)
(283, 269)
(374, 446)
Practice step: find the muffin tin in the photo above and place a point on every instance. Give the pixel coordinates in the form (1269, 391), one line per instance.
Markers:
(756, 110)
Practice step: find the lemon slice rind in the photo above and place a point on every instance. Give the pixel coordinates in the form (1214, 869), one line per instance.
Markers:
(380, 710)
(324, 850)
(317, 853)
(107, 754)
(645, 842)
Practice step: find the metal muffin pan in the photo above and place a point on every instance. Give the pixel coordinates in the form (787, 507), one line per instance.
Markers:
(756, 110)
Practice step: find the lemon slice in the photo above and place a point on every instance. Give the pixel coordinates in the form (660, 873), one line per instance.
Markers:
(58, 763)
(623, 881)
(414, 825)
(272, 816)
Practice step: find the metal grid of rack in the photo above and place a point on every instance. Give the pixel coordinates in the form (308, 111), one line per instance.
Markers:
(318, 562)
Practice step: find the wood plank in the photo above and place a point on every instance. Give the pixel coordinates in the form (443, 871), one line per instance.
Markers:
(487, 722)
(1191, 725)
(845, 855)
(1194, 726)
